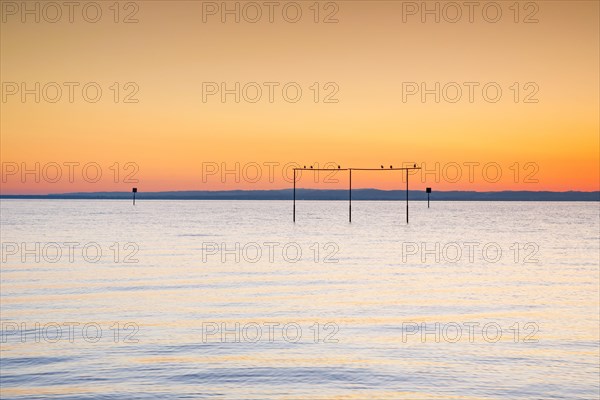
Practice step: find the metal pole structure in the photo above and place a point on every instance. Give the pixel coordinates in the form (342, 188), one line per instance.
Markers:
(350, 184)
(407, 196)
(350, 198)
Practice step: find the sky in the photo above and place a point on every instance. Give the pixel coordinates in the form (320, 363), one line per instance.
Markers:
(180, 95)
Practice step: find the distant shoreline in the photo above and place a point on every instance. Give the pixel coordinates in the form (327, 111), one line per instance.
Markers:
(320, 194)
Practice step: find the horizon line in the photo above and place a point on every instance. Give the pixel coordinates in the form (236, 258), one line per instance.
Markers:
(298, 189)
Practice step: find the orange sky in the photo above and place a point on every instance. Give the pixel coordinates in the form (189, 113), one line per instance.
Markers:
(174, 140)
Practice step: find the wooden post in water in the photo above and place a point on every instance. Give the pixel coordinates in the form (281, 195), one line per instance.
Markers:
(407, 196)
(350, 197)
(294, 195)
(134, 191)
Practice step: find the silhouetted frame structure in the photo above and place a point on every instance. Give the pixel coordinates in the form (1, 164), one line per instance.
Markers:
(350, 184)
(134, 191)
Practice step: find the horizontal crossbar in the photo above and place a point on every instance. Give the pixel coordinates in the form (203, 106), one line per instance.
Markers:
(355, 169)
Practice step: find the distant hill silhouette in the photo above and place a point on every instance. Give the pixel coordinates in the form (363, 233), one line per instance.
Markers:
(319, 194)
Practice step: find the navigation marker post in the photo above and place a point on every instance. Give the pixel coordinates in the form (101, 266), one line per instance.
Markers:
(428, 191)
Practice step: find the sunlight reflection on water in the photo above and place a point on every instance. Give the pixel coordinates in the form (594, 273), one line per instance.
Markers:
(204, 299)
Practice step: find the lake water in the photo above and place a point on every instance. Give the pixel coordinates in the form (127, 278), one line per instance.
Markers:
(232, 300)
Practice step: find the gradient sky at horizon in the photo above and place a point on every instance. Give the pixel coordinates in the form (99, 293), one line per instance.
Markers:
(173, 136)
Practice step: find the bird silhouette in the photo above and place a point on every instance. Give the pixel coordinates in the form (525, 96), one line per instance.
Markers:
(414, 165)
(338, 167)
(391, 167)
(382, 167)
(311, 167)
(305, 167)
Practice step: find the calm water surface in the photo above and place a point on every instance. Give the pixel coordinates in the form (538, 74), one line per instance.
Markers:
(231, 300)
